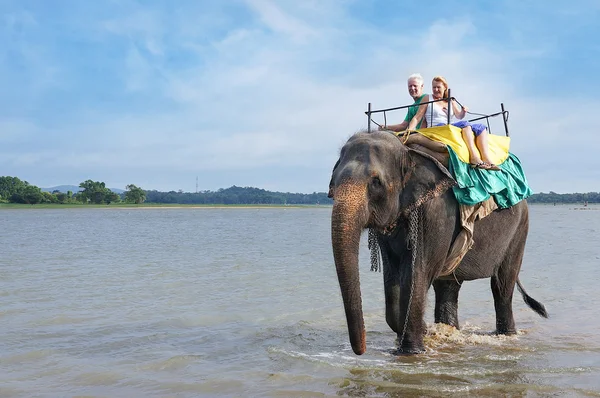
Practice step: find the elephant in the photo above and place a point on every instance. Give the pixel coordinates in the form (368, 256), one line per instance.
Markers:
(404, 195)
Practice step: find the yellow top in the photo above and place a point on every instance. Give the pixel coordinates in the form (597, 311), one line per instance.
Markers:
(498, 145)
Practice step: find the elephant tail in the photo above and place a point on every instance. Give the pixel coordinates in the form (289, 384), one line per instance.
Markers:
(531, 302)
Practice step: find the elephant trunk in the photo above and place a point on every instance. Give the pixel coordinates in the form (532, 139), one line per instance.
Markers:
(348, 218)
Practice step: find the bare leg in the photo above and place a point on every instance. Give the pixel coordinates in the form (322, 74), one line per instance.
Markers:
(481, 141)
(469, 138)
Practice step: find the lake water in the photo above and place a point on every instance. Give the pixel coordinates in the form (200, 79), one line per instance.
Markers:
(245, 302)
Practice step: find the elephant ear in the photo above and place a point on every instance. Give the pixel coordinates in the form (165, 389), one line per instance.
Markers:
(425, 178)
(330, 191)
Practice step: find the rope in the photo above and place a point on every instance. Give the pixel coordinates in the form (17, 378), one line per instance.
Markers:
(479, 114)
(470, 113)
(405, 135)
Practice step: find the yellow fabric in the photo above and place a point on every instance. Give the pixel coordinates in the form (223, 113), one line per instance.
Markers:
(452, 136)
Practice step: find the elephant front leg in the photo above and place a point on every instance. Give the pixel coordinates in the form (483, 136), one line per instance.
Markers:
(399, 300)
(446, 302)
(391, 286)
(412, 327)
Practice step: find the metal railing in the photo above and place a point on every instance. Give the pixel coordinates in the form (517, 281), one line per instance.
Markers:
(503, 112)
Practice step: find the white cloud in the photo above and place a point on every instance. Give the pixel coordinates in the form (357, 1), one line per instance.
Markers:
(138, 23)
(13, 131)
(281, 22)
(139, 71)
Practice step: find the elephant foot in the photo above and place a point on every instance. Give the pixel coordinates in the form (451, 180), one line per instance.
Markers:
(410, 348)
(448, 322)
(506, 327)
(408, 351)
(510, 332)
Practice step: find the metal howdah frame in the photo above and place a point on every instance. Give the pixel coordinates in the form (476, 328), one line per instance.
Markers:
(503, 112)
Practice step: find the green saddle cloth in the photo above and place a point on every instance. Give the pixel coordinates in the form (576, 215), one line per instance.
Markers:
(508, 186)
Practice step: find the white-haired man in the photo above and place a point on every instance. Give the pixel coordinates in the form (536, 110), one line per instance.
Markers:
(415, 90)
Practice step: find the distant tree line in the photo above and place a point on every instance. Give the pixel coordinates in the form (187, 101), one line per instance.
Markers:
(13, 190)
(553, 197)
(238, 196)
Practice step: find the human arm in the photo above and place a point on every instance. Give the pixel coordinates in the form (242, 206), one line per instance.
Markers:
(395, 127)
(459, 110)
(420, 114)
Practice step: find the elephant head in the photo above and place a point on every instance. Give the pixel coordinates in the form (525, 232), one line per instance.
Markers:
(376, 181)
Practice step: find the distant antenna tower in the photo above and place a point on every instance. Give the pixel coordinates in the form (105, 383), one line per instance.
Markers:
(196, 184)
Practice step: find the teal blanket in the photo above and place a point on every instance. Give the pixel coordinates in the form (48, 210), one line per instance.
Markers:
(507, 186)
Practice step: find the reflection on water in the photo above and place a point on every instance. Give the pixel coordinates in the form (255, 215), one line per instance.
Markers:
(230, 302)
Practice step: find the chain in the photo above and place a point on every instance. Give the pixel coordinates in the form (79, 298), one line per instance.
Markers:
(374, 247)
(414, 236)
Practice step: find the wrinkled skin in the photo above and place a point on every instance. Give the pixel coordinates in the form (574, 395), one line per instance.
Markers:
(376, 183)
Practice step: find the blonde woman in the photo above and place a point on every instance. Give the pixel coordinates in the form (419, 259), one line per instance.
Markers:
(474, 134)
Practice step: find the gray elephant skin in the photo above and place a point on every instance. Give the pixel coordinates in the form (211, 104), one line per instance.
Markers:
(380, 184)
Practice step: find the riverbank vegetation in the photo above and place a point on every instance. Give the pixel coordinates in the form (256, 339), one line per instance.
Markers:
(14, 190)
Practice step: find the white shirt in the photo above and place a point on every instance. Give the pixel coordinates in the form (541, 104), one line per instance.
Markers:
(436, 114)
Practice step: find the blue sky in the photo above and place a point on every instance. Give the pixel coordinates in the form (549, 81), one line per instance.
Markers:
(264, 93)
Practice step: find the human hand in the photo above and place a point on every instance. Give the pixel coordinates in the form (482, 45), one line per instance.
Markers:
(465, 108)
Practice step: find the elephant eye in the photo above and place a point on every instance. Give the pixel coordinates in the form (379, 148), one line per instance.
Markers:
(376, 184)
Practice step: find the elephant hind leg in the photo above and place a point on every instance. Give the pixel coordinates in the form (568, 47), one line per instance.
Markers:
(446, 302)
(503, 295)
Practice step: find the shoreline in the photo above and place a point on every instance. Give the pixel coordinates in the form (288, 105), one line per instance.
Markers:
(143, 206)
(8, 206)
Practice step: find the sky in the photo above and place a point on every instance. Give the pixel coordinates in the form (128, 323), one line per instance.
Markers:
(261, 93)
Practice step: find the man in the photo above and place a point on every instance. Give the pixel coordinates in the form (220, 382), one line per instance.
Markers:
(415, 90)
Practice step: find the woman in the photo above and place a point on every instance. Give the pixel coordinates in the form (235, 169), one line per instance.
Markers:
(474, 135)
